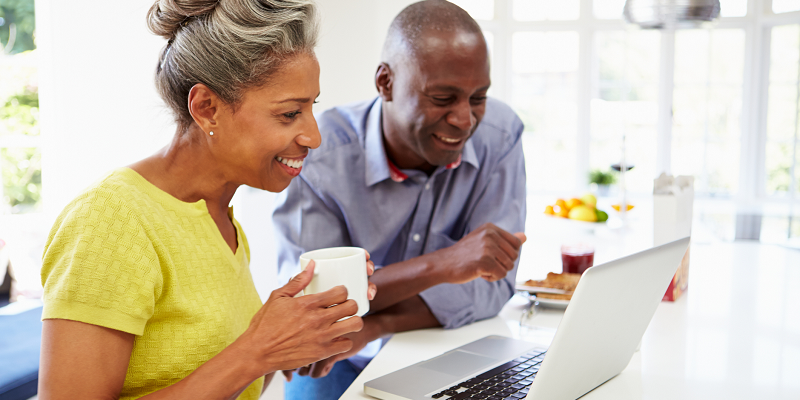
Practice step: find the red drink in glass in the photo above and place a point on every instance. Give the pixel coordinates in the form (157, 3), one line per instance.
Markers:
(576, 259)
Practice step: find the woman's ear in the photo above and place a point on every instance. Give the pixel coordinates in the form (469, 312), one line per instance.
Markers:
(384, 79)
(204, 106)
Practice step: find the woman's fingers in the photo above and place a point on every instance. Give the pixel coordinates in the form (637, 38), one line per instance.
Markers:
(343, 327)
(344, 309)
(372, 291)
(329, 297)
(297, 283)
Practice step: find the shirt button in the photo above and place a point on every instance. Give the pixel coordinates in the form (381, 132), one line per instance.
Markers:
(416, 237)
(427, 186)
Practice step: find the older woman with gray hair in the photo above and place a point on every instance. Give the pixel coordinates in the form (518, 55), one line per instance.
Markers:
(148, 292)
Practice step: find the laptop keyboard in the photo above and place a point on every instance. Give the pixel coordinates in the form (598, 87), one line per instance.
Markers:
(510, 381)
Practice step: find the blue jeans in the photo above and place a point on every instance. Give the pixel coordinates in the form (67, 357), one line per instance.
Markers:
(331, 387)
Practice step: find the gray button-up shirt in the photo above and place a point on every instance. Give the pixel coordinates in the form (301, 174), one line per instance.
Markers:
(345, 196)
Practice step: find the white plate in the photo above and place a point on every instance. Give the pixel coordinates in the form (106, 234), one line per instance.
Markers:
(536, 289)
(552, 303)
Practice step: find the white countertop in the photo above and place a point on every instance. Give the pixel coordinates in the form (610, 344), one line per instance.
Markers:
(734, 335)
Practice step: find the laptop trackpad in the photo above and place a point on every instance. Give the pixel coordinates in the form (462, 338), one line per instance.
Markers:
(458, 363)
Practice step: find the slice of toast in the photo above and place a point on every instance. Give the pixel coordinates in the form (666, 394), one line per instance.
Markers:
(566, 282)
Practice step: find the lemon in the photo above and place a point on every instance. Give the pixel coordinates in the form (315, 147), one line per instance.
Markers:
(583, 213)
(589, 200)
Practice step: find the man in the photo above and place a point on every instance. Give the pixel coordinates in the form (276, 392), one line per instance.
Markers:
(429, 178)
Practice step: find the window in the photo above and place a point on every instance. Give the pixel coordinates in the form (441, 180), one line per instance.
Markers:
(783, 6)
(545, 66)
(707, 102)
(783, 120)
(541, 10)
(20, 154)
(478, 9)
(624, 103)
(687, 102)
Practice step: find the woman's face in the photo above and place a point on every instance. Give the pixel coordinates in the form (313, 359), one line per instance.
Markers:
(264, 141)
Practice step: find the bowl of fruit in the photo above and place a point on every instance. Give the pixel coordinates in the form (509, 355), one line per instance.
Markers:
(578, 209)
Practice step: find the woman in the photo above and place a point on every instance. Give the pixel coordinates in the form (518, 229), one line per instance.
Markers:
(147, 287)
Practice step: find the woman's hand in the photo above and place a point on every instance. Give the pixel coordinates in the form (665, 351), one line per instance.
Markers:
(289, 332)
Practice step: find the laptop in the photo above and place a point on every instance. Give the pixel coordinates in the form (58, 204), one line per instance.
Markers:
(601, 329)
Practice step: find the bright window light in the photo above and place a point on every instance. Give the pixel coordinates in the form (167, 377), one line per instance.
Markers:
(544, 82)
(478, 9)
(782, 6)
(625, 102)
(733, 8)
(783, 115)
(540, 10)
(608, 9)
(707, 108)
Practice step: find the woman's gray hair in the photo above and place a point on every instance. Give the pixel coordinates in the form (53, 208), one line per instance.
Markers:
(228, 45)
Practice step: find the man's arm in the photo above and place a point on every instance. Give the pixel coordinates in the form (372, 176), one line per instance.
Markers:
(447, 279)
(488, 253)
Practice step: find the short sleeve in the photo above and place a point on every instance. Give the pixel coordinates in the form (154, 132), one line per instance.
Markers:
(99, 265)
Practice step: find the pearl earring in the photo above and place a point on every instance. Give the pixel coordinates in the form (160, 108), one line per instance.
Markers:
(211, 133)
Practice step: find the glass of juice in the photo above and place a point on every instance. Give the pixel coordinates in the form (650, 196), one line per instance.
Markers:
(576, 258)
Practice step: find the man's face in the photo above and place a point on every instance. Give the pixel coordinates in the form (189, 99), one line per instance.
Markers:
(439, 96)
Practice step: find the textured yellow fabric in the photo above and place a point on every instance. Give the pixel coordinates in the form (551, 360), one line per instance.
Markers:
(128, 256)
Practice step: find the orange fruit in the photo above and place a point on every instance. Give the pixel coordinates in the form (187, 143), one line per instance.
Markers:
(573, 202)
(562, 212)
(561, 203)
(549, 210)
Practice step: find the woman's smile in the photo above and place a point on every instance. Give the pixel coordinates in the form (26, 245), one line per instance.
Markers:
(292, 166)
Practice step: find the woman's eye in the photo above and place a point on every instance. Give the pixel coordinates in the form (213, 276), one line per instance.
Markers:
(291, 115)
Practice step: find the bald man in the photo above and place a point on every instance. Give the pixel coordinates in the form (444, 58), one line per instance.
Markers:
(429, 177)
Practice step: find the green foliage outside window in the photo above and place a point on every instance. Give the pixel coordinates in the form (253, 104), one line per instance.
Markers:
(17, 16)
(20, 114)
(601, 177)
(21, 166)
(22, 178)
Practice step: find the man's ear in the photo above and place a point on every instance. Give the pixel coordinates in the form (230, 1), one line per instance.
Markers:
(384, 80)
(204, 106)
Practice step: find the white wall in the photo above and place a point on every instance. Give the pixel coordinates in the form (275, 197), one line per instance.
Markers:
(100, 111)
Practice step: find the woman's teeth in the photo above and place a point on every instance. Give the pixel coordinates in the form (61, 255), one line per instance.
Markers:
(447, 139)
(290, 163)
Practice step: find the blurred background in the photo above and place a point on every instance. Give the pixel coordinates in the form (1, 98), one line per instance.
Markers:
(718, 101)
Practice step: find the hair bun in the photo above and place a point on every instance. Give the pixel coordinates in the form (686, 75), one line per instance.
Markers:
(166, 16)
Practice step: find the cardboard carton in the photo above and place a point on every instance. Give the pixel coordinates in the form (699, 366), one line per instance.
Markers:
(673, 200)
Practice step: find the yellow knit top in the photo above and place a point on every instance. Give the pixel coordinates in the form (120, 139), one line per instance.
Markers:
(128, 256)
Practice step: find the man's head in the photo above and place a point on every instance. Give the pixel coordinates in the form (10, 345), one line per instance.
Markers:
(433, 79)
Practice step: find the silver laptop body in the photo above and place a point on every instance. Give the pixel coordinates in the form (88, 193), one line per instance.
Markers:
(605, 321)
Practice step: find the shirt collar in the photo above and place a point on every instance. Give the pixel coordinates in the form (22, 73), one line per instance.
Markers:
(379, 168)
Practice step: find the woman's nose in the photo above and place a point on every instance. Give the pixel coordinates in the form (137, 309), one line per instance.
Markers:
(310, 136)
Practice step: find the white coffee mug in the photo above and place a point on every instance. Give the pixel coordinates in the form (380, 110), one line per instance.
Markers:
(339, 266)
